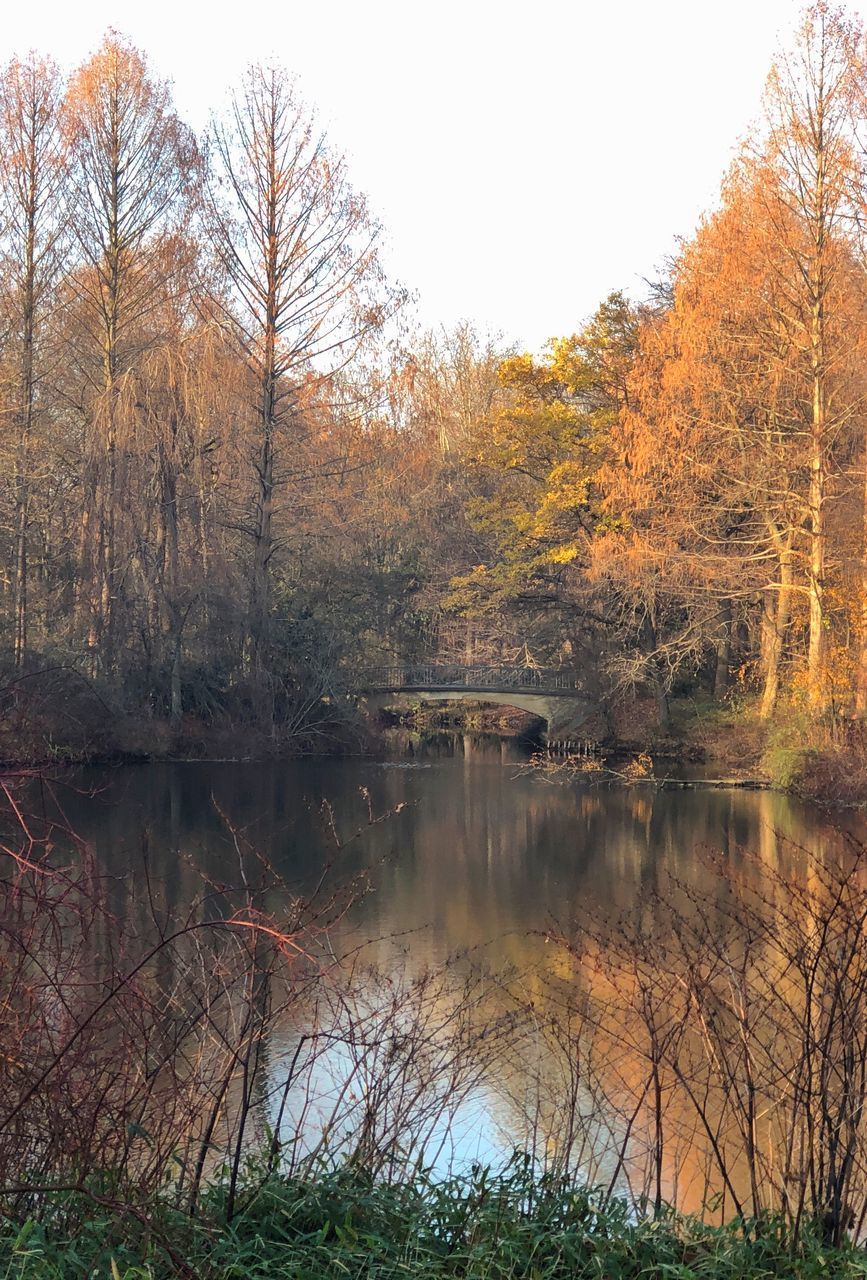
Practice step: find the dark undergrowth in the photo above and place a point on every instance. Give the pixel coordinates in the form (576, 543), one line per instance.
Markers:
(343, 1224)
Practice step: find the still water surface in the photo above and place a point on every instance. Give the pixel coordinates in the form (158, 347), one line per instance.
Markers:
(465, 849)
(461, 851)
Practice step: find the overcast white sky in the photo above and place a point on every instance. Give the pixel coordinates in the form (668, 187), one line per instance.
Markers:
(525, 159)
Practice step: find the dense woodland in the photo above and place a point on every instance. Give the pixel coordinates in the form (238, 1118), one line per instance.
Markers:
(235, 471)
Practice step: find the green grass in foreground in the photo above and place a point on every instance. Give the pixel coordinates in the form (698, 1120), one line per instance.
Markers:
(340, 1225)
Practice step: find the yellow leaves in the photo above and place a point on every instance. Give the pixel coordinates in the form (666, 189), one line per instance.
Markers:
(564, 554)
(474, 592)
(568, 487)
(538, 460)
(516, 371)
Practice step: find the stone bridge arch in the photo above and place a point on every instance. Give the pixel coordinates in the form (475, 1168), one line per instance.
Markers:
(556, 697)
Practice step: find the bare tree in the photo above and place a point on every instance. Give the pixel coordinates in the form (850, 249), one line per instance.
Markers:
(31, 172)
(299, 249)
(812, 104)
(132, 161)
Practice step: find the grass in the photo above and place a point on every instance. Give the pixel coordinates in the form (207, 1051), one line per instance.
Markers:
(340, 1224)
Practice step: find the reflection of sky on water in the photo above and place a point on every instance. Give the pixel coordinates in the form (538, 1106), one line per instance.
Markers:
(461, 853)
(330, 1096)
(478, 1123)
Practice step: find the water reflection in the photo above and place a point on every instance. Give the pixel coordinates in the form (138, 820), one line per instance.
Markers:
(464, 855)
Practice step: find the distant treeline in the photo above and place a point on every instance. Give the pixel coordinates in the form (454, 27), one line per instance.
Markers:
(234, 470)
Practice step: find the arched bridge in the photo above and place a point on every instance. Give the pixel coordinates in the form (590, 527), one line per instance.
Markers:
(556, 695)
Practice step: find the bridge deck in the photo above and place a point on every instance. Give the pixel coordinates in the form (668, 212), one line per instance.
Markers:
(449, 679)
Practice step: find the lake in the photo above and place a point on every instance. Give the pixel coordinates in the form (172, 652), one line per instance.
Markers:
(465, 917)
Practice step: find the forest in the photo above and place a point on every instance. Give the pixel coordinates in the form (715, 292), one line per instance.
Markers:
(236, 471)
(426, 1016)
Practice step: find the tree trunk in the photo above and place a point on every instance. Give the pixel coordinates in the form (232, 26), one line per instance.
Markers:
(723, 649)
(107, 594)
(263, 545)
(861, 675)
(820, 209)
(22, 457)
(657, 685)
(262, 552)
(169, 567)
(816, 675)
(778, 608)
(176, 706)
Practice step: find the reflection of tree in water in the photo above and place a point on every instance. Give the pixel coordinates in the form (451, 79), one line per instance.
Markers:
(723, 1032)
(477, 863)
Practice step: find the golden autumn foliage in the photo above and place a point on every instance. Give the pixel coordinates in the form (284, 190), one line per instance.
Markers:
(537, 459)
(234, 474)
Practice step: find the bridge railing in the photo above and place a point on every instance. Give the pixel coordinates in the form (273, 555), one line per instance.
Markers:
(445, 676)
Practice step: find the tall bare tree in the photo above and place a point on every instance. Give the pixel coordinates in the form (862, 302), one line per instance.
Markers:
(31, 173)
(299, 249)
(132, 161)
(813, 100)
